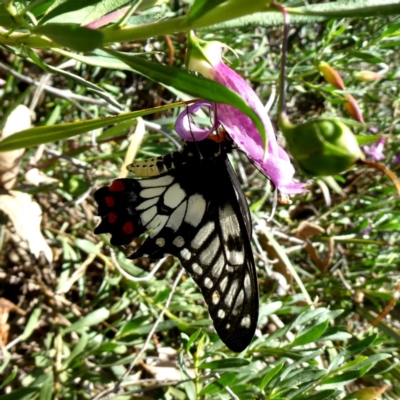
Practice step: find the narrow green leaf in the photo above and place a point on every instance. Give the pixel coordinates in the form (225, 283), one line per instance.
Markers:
(311, 335)
(45, 134)
(201, 7)
(94, 318)
(190, 84)
(342, 378)
(366, 139)
(270, 374)
(87, 246)
(226, 363)
(192, 339)
(12, 375)
(219, 384)
(322, 395)
(78, 79)
(24, 393)
(77, 350)
(76, 11)
(72, 36)
(32, 322)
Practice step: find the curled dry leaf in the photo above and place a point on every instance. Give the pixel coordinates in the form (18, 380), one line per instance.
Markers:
(281, 276)
(37, 177)
(304, 232)
(26, 216)
(6, 306)
(18, 120)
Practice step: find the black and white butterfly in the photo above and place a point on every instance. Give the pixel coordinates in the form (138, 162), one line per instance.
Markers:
(193, 207)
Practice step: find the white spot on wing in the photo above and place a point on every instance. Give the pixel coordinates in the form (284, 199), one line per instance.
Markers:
(157, 224)
(179, 241)
(221, 314)
(236, 257)
(146, 204)
(247, 285)
(186, 254)
(239, 300)
(216, 297)
(246, 321)
(153, 192)
(162, 181)
(223, 284)
(208, 253)
(160, 242)
(174, 196)
(176, 218)
(196, 210)
(202, 235)
(208, 283)
(197, 269)
(148, 215)
(230, 228)
(231, 293)
(217, 267)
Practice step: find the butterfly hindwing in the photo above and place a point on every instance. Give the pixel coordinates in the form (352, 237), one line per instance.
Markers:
(198, 214)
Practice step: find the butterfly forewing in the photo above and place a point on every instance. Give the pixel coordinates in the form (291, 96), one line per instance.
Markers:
(199, 214)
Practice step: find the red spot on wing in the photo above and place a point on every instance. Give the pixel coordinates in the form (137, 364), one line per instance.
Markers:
(112, 217)
(128, 228)
(117, 186)
(110, 201)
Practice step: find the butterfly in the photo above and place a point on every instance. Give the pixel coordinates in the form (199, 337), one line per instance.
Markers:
(192, 207)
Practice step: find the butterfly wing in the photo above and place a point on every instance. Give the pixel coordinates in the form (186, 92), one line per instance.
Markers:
(198, 214)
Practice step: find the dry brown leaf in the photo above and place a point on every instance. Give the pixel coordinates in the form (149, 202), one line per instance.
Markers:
(6, 306)
(37, 177)
(369, 393)
(26, 216)
(281, 275)
(306, 230)
(18, 120)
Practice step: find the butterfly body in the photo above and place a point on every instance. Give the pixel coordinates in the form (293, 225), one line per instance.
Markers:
(197, 212)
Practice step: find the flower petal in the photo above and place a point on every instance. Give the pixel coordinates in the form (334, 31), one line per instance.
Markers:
(187, 129)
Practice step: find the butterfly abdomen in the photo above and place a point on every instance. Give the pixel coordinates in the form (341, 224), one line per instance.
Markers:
(157, 166)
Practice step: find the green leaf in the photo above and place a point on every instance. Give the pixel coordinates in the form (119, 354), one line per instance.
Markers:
(367, 56)
(24, 393)
(270, 374)
(201, 7)
(190, 84)
(219, 384)
(192, 339)
(72, 36)
(32, 323)
(45, 134)
(94, 318)
(12, 375)
(70, 76)
(363, 140)
(226, 363)
(87, 246)
(76, 11)
(322, 395)
(77, 350)
(311, 335)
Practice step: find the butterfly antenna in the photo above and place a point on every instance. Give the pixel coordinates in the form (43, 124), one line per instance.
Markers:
(190, 119)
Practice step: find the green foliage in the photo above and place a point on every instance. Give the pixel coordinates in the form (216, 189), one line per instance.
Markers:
(81, 322)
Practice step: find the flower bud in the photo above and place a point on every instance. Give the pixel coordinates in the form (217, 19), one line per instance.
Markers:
(368, 76)
(324, 146)
(331, 75)
(353, 108)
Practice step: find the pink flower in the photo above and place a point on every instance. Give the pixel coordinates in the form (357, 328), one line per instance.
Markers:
(205, 58)
(375, 151)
